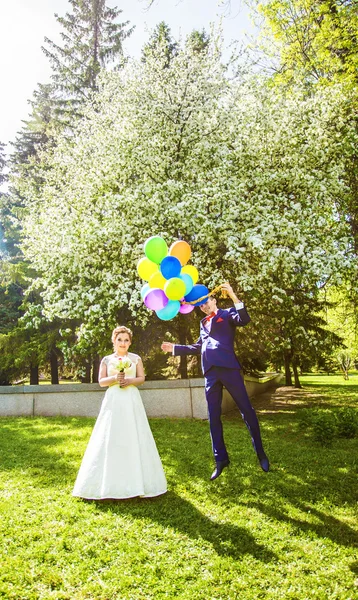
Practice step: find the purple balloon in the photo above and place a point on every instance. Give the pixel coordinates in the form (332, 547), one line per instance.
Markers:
(185, 309)
(170, 267)
(155, 299)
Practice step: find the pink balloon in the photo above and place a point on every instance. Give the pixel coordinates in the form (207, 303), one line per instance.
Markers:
(155, 299)
(185, 309)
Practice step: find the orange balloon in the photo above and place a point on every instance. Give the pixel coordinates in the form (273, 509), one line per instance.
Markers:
(181, 250)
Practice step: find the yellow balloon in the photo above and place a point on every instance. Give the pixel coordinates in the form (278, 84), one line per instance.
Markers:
(157, 281)
(174, 288)
(146, 268)
(192, 271)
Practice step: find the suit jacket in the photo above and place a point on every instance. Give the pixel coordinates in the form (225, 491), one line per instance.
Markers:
(217, 345)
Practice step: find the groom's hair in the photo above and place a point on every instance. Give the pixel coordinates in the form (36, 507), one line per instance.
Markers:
(121, 329)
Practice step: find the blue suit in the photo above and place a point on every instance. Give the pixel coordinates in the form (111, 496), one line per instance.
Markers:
(221, 368)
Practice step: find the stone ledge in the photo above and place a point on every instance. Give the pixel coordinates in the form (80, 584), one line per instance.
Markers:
(163, 398)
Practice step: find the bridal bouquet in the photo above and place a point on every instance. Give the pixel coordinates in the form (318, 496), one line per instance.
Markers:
(123, 365)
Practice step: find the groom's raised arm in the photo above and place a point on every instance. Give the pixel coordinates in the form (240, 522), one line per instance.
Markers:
(178, 350)
(238, 315)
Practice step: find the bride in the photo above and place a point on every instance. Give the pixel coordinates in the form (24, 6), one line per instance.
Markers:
(121, 459)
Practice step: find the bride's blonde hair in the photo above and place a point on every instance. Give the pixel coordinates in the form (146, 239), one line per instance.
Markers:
(121, 329)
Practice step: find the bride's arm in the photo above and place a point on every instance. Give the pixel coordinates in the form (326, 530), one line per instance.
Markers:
(138, 379)
(103, 379)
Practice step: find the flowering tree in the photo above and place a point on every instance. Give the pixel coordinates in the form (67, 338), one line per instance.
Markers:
(249, 177)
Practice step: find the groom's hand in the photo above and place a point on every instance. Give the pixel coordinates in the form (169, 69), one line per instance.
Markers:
(167, 347)
(227, 289)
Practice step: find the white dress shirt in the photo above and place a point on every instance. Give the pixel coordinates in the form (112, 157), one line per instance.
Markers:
(238, 306)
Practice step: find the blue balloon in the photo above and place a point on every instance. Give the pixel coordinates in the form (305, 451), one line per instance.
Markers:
(144, 290)
(198, 291)
(170, 267)
(169, 311)
(188, 282)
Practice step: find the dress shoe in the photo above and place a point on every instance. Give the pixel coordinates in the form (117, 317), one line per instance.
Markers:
(220, 466)
(264, 462)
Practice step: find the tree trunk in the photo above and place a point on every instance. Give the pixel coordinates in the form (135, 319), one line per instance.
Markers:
(288, 377)
(54, 367)
(182, 331)
(87, 376)
(34, 374)
(295, 373)
(95, 369)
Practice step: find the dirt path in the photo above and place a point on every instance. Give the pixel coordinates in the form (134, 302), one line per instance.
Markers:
(286, 398)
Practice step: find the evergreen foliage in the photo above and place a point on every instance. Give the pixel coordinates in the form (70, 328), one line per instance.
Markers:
(161, 39)
(92, 40)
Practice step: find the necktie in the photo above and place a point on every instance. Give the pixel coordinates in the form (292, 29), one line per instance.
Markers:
(209, 317)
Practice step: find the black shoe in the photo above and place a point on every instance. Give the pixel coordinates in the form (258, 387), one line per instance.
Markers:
(220, 466)
(264, 462)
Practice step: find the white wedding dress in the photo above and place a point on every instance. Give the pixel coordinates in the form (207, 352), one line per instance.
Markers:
(121, 459)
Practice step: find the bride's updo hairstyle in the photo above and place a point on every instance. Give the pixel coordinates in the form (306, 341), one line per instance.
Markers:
(121, 329)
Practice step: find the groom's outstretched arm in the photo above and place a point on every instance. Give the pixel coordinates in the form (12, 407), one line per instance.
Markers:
(178, 350)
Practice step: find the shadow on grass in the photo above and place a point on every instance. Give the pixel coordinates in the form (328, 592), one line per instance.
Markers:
(328, 527)
(173, 512)
(41, 447)
(49, 451)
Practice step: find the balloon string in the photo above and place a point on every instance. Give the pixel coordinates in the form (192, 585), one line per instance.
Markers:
(206, 295)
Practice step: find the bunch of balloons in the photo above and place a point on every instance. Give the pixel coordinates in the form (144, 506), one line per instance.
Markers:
(170, 280)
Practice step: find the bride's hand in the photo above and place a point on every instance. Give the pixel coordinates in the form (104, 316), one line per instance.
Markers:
(120, 378)
(126, 382)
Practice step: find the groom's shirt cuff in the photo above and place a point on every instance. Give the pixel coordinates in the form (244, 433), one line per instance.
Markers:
(239, 305)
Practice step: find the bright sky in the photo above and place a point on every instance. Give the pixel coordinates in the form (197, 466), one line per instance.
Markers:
(25, 23)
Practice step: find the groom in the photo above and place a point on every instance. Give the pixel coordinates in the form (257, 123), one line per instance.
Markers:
(222, 369)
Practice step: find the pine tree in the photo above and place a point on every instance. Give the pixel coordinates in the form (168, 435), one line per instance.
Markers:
(3, 201)
(199, 40)
(92, 40)
(161, 40)
(37, 129)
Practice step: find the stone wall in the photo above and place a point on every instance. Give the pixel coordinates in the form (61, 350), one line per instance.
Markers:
(169, 398)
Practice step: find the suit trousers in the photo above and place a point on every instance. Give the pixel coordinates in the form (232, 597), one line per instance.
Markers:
(215, 379)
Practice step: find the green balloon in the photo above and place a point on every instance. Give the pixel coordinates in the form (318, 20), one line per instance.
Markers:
(155, 248)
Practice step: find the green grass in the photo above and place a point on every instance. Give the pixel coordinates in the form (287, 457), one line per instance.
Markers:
(291, 533)
(333, 389)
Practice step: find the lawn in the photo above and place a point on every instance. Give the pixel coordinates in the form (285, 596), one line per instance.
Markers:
(291, 533)
(334, 388)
